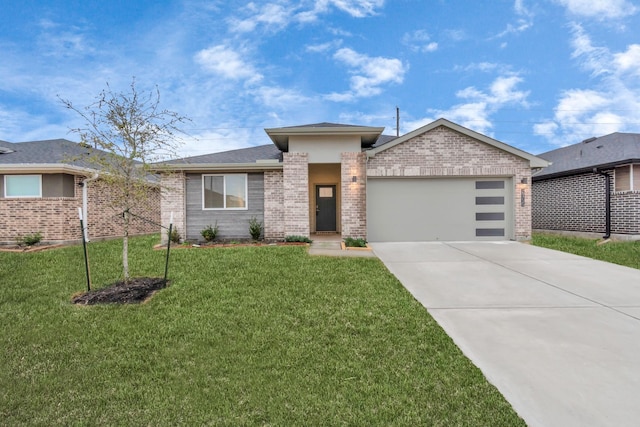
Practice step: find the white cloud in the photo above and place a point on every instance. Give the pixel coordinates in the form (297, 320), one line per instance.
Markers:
(270, 15)
(419, 41)
(612, 105)
(368, 74)
(599, 9)
(323, 47)
(456, 35)
(277, 15)
(523, 23)
(355, 8)
(475, 113)
(628, 61)
(281, 98)
(227, 63)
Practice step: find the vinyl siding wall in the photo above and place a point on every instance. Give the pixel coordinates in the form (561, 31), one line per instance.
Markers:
(232, 224)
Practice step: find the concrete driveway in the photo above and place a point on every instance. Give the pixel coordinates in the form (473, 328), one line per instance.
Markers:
(557, 334)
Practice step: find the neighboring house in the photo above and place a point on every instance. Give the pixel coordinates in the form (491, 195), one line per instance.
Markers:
(439, 182)
(42, 185)
(592, 186)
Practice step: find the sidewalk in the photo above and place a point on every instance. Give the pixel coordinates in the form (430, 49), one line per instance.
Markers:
(329, 245)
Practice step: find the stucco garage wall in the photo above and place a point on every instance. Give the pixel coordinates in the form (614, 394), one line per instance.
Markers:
(443, 152)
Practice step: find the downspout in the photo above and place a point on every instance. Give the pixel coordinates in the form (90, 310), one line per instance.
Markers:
(85, 203)
(607, 202)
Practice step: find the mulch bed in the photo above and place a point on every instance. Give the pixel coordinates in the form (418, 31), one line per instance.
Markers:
(226, 245)
(34, 248)
(138, 290)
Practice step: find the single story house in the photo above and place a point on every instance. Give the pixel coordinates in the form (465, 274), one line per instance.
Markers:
(42, 185)
(439, 182)
(591, 186)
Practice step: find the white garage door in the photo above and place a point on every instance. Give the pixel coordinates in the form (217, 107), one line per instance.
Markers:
(428, 209)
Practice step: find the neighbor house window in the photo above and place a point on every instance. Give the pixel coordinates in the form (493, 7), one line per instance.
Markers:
(224, 191)
(627, 178)
(23, 185)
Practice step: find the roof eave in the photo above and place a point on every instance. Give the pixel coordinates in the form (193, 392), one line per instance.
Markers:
(43, 167)
(256, 166)
(280, 136)
(582, 170)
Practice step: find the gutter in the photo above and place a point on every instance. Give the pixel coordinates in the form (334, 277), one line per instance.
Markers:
(85, 203)
(607, 202)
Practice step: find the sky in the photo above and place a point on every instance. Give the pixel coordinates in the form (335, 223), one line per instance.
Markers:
(535, 74)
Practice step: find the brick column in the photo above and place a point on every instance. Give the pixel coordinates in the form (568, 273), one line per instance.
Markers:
(173, 200)
(273, 205)
(296, 194)
(354, 195)
(522, 220)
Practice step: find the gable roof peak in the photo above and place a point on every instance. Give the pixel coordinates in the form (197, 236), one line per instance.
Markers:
(534, 161)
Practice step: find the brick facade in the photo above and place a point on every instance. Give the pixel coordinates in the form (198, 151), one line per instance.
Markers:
(354, 195)
(443, 152)
(296, 194)
(173, 193)
(274, 205)
(577, 203)
(56, 218)
(105, 219)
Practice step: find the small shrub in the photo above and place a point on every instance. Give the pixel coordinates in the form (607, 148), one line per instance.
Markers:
(29, 239)
(209, 233)
(255, 228)
(297, 239)
(352, 242)
(174, 236)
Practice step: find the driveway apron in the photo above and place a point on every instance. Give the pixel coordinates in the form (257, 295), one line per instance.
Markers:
(557, 334)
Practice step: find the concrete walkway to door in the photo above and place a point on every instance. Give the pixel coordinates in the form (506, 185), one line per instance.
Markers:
(557, 334)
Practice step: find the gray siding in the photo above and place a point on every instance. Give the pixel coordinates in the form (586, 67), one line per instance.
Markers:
(232, 224)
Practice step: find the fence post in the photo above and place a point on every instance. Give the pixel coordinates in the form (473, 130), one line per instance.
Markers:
(86, 254)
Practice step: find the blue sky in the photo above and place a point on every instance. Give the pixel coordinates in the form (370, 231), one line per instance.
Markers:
(536, 74)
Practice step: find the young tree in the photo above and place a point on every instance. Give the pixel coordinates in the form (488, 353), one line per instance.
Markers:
(131, 132)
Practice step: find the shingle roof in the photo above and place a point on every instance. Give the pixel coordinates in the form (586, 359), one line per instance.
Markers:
(242, 155)
(54, 151)
(383, 139)
(605, 151)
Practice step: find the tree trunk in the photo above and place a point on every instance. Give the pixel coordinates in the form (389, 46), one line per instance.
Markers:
(125, 248)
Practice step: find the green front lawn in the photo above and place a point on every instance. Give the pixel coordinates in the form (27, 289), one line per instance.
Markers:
(617, 252)
(243, 336)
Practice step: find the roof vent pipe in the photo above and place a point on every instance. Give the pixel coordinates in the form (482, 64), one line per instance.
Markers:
(607, 192)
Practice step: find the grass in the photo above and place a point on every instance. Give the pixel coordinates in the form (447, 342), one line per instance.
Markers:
(617, 252)
(243, 336)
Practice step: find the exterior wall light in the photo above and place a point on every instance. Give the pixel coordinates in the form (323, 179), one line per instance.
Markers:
(354, 178)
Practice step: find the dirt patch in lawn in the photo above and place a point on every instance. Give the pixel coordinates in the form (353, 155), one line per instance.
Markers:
(136, 291)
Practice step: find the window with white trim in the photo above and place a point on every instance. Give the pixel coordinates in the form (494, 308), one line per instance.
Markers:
(227, 191)
(23, 186)
(627, 178)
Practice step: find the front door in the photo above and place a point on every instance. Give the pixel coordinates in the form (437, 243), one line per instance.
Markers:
(326, 208)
